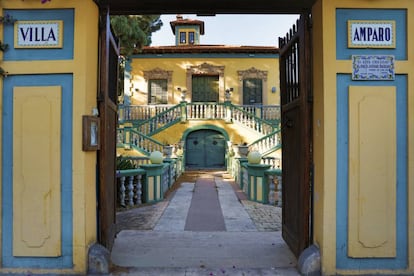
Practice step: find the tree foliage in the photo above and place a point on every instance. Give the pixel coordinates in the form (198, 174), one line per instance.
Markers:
(134, 31)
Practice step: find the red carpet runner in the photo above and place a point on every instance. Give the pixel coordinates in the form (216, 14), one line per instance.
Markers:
(205, 211)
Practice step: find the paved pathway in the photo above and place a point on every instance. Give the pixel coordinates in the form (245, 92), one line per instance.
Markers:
(251, 244)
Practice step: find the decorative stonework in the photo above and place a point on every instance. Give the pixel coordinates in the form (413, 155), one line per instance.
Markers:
(252, 73)
(158, 73)
(205, 69)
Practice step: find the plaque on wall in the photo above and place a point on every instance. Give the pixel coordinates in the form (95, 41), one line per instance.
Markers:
(371, 34)
(373, 67)
(38, 34)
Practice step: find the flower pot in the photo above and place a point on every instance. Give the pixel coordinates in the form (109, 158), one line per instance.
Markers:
(243, 150)
(168, 150)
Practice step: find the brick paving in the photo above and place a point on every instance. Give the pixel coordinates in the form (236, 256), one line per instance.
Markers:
(145, 217)
(265, 217)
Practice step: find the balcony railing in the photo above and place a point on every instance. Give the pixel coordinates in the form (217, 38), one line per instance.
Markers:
(204, 111)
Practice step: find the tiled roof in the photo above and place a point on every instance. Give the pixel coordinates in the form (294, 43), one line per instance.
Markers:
(181, 22)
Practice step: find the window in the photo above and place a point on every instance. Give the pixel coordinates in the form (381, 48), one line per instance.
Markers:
(183, 39)
(191, 37)
(158, 92)
(252, 91)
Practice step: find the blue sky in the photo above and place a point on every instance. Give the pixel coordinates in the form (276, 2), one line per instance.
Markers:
(234, 29)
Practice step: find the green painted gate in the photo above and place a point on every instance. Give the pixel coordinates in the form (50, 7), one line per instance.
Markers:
(205, 149)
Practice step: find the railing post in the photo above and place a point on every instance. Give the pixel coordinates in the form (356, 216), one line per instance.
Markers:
(127, 136)
(227, 105)
(183, 111)
(258, 189)
(152, 191)
(258, 112)
(121, 113)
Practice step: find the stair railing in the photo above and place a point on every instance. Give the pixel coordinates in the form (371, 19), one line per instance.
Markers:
(250, 120)
(128, 113)
(160, 121)
(268, 143)
(130, 138)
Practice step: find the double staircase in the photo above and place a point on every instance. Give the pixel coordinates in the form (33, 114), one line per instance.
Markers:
(139, 124)
(139, 181)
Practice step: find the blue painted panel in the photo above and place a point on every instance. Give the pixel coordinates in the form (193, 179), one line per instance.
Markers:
(66, 260)
(66, 52)
(342, 17)
(401, 260)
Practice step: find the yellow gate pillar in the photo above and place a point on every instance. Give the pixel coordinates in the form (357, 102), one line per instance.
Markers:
(48, 184)
(363, 136)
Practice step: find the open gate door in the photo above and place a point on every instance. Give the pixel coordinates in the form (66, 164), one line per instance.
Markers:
(295, 89)
(107, 104)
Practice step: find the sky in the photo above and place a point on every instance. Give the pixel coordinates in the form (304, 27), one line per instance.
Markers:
(232, 29)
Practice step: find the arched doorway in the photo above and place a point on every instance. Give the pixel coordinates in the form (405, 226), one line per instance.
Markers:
(205, 149)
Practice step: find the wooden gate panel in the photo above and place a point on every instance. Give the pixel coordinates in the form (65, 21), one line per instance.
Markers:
(108, 116)
(295, 82)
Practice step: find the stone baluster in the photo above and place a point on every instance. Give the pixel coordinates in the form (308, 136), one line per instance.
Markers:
(271, 190)
(279, 191)
(130, 188)
(139, 189)
(122, 191)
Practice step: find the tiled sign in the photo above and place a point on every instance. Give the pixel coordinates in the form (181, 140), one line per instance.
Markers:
(38, 34)
(371, 34)
(373, 67)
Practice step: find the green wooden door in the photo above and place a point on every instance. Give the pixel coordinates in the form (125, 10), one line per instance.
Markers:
(252, 91)
(205, 149)
(205, 88)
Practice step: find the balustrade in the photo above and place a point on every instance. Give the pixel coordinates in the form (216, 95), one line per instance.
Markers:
(272, 179)
(129, 184)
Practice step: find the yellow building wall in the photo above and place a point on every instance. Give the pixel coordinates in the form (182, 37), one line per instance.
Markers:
(365, 238)
(83, 66)
(178, 66)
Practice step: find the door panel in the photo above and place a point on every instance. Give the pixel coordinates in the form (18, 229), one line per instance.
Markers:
(205, 88)
(109, 52)
(205, 149)
(295, 84)
(215, 148)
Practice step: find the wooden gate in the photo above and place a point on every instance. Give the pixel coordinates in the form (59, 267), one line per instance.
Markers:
(107, 104)
(296, 104)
